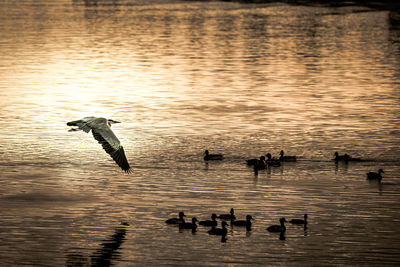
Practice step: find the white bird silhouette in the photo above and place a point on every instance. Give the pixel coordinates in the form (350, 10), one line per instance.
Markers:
(101, 130)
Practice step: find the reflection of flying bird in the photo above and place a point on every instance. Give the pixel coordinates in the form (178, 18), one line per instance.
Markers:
(101, 130)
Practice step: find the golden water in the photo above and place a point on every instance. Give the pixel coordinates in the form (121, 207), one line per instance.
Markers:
(183, 77)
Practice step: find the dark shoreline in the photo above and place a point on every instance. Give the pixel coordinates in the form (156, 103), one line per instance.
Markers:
(378, 5)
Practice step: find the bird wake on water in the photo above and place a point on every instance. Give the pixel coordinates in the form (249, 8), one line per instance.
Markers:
(101, 130)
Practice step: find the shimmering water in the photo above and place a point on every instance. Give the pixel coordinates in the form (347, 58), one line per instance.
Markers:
(183, 77)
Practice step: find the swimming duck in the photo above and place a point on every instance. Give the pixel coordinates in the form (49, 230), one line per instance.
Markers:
(246, 222)
(260, 164)
(230, 216)
(346, 158)
(338, 157)
(211, 222)
(209, 156)
(286, 158)
(299, 221)
(278, 228)
(251, 162)
(375, 175)
(192, 225)
(272, 161)
(219, 231)
(176, 220)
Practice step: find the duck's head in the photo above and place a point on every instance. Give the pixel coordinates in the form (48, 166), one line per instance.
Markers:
(194, 220)
(206, 152)
(262, 158)
(224, 224)
(336, 154)
(268, 155)
(181, 214)
(232, 211)
(213, 216)
(305, 216)
(110, 121)
(282, 220)
(380, 171)
(282, 153)
(248, 218)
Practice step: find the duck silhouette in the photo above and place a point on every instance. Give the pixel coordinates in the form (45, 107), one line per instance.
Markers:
(211, 222)
(246, 222)
(209, 156)
(278, 228)
(176, 220)
(219, 231)
(186, 225)
(286, 158)
(272, 162)
(230, 216)
(299, 221)
(375, 175)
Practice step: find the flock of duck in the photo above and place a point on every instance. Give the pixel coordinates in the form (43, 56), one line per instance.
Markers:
(262, 163)
(268, 161)
(223, 231)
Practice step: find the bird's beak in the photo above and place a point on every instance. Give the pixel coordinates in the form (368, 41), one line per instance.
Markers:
(116, 121)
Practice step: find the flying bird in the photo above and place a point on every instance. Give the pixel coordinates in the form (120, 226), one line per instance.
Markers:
(101, 130)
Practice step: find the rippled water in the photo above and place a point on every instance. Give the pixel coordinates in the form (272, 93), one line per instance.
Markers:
(183, 77)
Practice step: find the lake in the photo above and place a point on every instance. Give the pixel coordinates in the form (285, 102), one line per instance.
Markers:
(182, 77)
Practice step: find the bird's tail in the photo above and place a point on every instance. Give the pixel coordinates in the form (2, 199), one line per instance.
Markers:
(74, 123)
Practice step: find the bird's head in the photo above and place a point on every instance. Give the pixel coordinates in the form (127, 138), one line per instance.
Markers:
(112, 122)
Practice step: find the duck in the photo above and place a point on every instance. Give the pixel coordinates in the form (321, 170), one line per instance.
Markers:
(246, 222)
(176, 220)
(375, 175)
(251, 162)
(286, 158)
(273, 162)
(211, 222)
(278, 228)
(219, 231)
(186, 225)
(230, 216)
(260, 164)
(209, 156)
(338, 157)
(299, 221)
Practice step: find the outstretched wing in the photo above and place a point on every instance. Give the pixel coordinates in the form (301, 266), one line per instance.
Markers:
(105, 136)
(84, 124)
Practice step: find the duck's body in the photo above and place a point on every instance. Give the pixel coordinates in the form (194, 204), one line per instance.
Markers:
(219, 231)
(286, 158)
(278, 228)
(346, 158)
(299, 221)
(211, 222)
(251, 162)
(375, 175)
(246, 222)
(230, 216)
(209, 156)
(176, 220)
(272, 162)
(186, 225)
(260, 164)
(338, 157)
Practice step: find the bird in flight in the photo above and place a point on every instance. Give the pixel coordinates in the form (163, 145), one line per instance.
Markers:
(101, 130)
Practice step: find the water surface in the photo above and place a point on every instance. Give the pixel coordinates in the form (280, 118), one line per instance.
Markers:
(183, 77)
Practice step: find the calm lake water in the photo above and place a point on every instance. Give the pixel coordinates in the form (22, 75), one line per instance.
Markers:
(237, 79)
